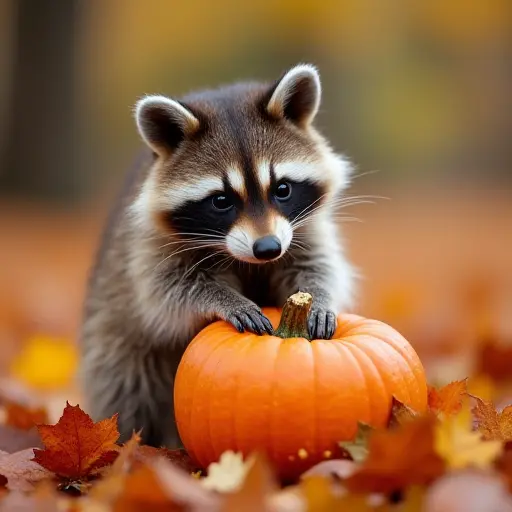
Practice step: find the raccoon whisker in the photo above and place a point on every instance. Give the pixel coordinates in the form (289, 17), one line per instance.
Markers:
(356, 176)
(191, 269)
(183, 242)
(304, 212)
(183, 250)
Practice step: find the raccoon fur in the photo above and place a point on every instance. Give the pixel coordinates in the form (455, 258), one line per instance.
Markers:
(231, 209)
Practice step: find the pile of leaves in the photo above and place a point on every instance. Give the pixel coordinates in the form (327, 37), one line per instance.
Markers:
(456, 456)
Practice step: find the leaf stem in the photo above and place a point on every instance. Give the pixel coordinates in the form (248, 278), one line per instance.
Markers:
(294, 319)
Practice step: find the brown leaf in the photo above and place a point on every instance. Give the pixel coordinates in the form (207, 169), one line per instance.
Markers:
(398, 458)
(400, 413)
(13, 440)
(24, 417)
(491, 423)
(21, 472)
(256, 491)
(358, 447)
(448, 399)
(179, 458)
(495, 360)
(76, 446)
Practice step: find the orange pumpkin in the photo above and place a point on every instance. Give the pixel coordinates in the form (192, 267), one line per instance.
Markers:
(292, 398)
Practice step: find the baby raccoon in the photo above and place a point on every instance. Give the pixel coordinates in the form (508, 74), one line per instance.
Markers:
(231, 210)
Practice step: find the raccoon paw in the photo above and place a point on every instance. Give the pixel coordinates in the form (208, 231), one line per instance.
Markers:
(250, 319)
(321, 323)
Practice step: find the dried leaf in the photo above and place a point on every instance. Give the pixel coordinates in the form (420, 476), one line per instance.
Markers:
(23, 417)
(400, 413)
(256, 490)
(21, 472)
(228, 474)
(492, 424)
(358, 447)
(398, 458)
(460, 446)
(179, 458)
(448, 399)
(76, 446)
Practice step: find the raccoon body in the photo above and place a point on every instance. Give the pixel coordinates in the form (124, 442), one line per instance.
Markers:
(231, 209)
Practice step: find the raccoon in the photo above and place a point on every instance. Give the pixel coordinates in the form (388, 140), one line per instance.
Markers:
(229, 210)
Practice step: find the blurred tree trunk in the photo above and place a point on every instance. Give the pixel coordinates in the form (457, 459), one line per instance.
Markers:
(38, 160)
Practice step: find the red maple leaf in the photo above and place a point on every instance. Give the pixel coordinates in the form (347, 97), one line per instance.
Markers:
(76, 446)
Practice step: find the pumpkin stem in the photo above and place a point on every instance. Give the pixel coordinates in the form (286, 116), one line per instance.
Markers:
(294, 319)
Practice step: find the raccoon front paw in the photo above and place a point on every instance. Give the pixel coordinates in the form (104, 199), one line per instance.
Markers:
(250, 319)
(321, 323)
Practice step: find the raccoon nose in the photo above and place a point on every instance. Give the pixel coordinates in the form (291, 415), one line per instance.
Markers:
(267, 247)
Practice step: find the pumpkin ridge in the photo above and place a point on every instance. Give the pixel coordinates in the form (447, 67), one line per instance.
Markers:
(188, 424)
(404, 384)
(406, 359)
(272, 419)
(363, 356)
(207, 423)
(340, 346)
(249, 339)
(315, 394)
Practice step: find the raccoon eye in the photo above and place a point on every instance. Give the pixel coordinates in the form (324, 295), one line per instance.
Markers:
(283, 191)
(222, 203)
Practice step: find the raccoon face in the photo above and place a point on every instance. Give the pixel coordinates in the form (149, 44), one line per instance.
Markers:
(240, 169)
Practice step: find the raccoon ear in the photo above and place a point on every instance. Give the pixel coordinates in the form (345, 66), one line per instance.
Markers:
(296, 96)
(164, 123)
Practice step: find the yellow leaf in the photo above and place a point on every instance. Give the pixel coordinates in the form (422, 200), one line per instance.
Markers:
(46, 362)
(228, 474)
(358, 447)
(461, 447)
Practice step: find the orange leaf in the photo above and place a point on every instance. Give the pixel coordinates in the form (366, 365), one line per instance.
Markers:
(76, 446)
(448, 399)
(398, 458)
(22, 417)
(492, 424)
(179, 458)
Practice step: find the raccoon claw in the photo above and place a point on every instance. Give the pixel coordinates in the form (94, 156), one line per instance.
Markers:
(253, 320)
(322, 324)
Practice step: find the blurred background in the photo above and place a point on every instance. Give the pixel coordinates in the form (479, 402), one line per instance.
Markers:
(417, 94)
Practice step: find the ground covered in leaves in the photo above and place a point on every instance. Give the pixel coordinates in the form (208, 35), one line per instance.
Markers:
(457, 456)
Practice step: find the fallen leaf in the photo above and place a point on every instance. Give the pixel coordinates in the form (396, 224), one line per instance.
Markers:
(23, 417)
(180, 458)
(400, 413)
(448, 399)
(358, 447)
(468, 491)
(76, 446)
(14, 440)
(398, 458)
(255, 492)
(492, 424)
(495, 359)
(21, 472)
(460, 446)
(228, 474)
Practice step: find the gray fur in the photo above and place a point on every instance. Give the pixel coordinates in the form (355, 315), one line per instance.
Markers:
(144, 305)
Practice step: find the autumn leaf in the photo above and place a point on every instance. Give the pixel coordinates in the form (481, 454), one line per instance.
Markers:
(76, 446)
(400, 413)
(492, 424)
(228, 474)
(21, 472)
(23, 417)
(180, 457)
(398, 458)
(335, 468)
(460, 446)
(358, 447)
(448, 399)
(255, 491)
